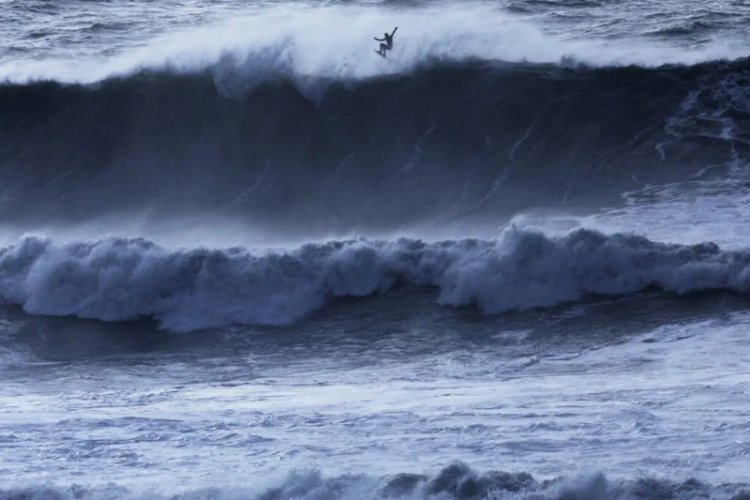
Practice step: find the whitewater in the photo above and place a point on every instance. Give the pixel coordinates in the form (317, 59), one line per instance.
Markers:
(243, 256)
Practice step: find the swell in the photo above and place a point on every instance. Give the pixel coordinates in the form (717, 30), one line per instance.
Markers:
(447, 140)
(117, 280)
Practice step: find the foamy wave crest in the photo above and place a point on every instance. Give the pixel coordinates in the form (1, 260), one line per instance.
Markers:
(335, 41)
(119, 279)
(457, 481)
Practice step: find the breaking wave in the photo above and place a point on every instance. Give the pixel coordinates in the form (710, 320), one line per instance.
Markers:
(455, 482)
(334, 41)
(448, 140)
(118, 279)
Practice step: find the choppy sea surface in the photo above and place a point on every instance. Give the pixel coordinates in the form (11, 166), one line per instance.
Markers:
(243, 256)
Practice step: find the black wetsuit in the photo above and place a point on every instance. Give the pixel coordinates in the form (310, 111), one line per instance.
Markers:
(388, 45)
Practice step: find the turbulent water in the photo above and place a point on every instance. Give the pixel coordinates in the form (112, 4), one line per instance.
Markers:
(242, 256)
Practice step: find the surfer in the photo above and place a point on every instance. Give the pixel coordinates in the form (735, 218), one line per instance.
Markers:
(388, 45)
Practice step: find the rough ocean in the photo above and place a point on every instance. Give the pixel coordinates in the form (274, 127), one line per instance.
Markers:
(243, 256)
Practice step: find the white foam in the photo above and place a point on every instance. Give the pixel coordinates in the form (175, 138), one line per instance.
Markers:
(116, 279)
(336, 41)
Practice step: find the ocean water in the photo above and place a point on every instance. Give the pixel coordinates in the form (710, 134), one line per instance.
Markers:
(242, 256)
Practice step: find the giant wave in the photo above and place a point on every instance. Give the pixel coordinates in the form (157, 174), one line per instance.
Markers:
(118, 279)
(448, 140)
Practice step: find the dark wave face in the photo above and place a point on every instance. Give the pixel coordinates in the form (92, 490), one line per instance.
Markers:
(446, 141)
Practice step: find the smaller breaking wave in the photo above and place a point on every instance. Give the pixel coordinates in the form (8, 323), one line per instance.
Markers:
(118, 279)
(455, 482)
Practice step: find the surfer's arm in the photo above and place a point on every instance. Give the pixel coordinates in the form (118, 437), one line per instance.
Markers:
(394, 31)
(379, 39)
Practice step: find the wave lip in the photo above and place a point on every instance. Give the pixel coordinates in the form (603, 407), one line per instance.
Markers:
(335, 42)
(119, 279)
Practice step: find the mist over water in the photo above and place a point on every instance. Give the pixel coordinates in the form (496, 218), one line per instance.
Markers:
(328, 40)
(243, 256)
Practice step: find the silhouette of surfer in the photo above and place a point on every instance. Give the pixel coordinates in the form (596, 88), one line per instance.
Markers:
(388, 45)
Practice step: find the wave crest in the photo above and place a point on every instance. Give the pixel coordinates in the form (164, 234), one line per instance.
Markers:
(335, 41)
(119, 279)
